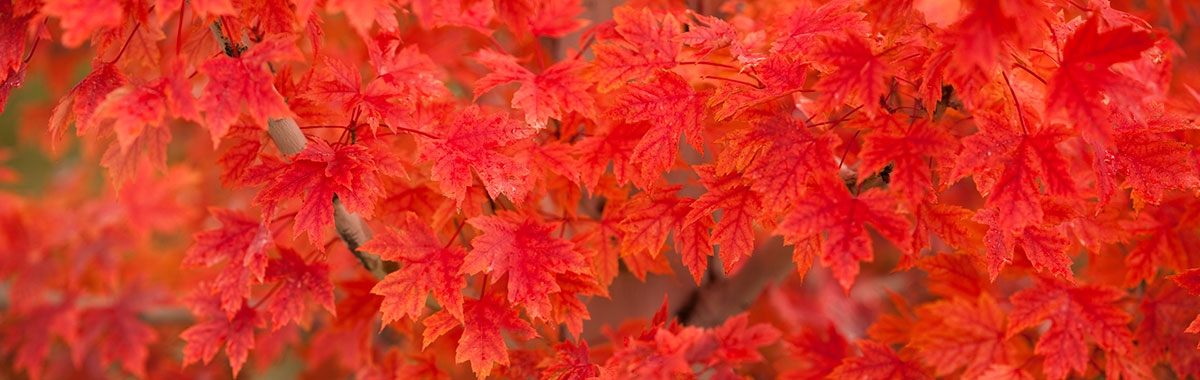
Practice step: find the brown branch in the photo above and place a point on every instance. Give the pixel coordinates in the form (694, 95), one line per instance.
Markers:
(290, 140)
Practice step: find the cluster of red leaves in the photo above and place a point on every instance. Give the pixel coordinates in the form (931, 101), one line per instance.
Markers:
(1031, 166)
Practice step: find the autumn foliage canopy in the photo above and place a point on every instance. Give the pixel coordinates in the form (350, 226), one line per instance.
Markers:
(396, 189)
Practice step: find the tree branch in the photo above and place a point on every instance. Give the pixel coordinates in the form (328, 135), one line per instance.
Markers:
(290, 140)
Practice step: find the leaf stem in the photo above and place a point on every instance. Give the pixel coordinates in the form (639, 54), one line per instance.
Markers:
(32, 49)
(1020, 114)
(270, 293)
(845, 152)
(179, 29)
(731, 80)
(456, 233)
(127, 41)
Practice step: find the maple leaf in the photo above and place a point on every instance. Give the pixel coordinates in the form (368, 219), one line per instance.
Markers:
(204, 339)
(954, 275)
(708, 34)
(134, 109)
(1085, 73)
(118, 333)
(349, 171)
(80, 104)
(799, 32)
(240, 81)
(237, 161)
(906, 144)
(550, 18)
(570, 363)
(648, 44)
(1150, 162)
(843, 217)
(611, 142)
(552, 94)
(30, 335)
(1045, 246)
(13, 35)
(471, 143)
(1008, 163)
(294, 277)
(362, 14)
(738, 342)
(242, 240)
(818, 352)
(522, 246)
(338, 83)
(475, 15)
(1162, 240)
(961, 333)
(950, 222)
(739, 205)
(82, 18)
(648, 218)
(428, 266)
(1166, 333)
(404, 67)
(779, 155)
(878, 361)
(857, 76)
(1074, 312)
(780, 77)
(674, 107)
(481, 342)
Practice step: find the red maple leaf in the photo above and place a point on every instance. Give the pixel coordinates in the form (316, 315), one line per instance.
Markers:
(954, 275)
(878, 361)
(80, 104)
(1007, 163)
(335, 82)
(136, 108)
(523, 247)
(959, 333)
(780, 77)
(908, 144)
(647, 44)
(404, 67)
(1085, 76)
(235, 333)
(740, 206)
(799, 32)
(854, 73)
(244, 80)
(648, 218)
(832, 210)
(429, 266)
(295, 278)
(349, 171)
(570, 362)
(552, 94)
(82, 18)
(1074, 312)
(243, 241)
(481, 342)
(611, 142)
(471, 143)
(673, 107)
(779, 154)
(118, 332)
(818, 352)
(1044, 245)
(1152, 162)
(1167, 332)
